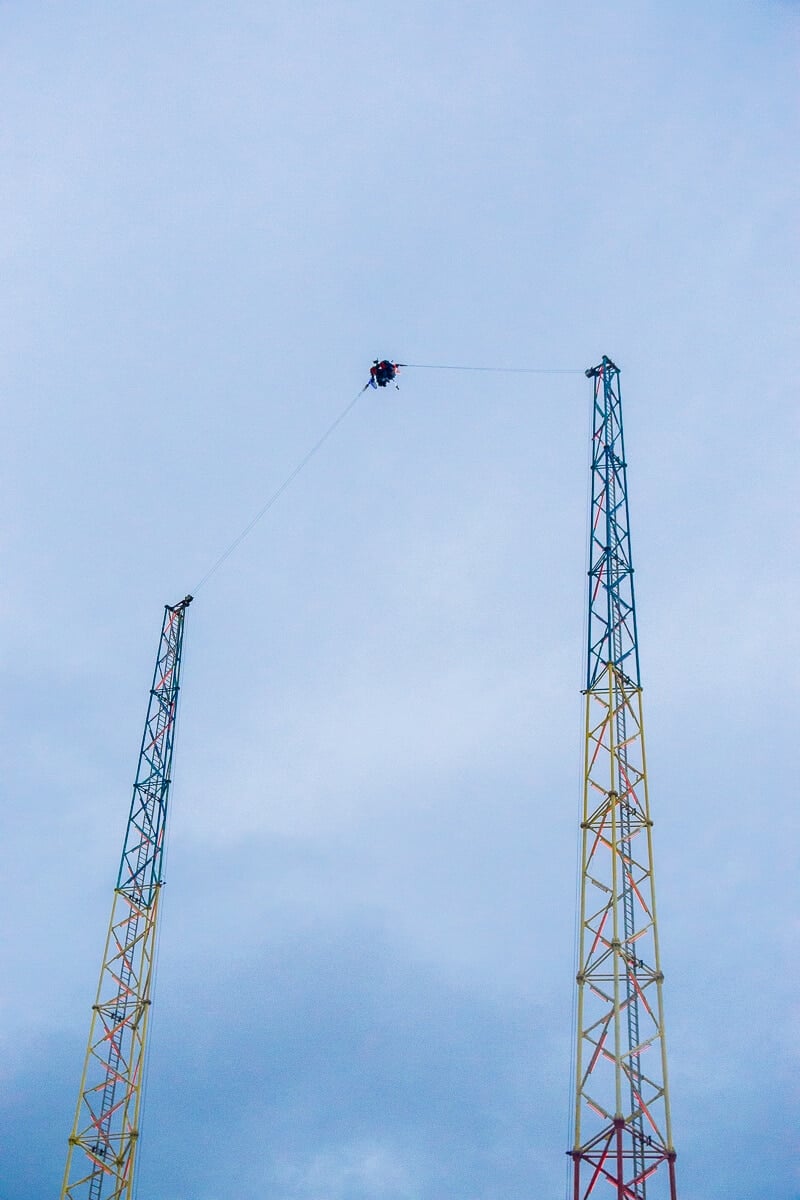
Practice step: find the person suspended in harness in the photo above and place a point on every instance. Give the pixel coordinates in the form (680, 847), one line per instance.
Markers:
(382, 373)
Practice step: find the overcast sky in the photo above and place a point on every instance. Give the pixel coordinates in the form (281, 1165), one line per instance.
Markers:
(212, 218)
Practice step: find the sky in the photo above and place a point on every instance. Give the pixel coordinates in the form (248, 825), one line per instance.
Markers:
(212, 219)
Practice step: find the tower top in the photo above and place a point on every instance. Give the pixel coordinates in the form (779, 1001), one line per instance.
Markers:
(593, 372)
(182, 605)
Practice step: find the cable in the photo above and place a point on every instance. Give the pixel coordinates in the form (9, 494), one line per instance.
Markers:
(317, 445)
(279, 491)
(505, 370)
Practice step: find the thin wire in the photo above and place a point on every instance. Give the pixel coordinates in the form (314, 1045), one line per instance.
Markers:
(317, 445)
(504, 370)
(279, 491)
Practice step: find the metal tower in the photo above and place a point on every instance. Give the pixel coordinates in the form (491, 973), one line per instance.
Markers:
(622, 1129)
(102, 1145)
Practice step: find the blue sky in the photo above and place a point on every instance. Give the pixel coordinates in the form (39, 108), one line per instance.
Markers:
(213, 219)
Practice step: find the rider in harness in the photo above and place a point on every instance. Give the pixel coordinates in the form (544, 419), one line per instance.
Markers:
(382, 373)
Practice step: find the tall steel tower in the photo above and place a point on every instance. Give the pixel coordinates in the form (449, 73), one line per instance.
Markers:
(102, 1145)
(622, 1127)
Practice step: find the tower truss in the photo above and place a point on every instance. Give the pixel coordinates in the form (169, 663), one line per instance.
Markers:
(622, 1126)
(102, 1145)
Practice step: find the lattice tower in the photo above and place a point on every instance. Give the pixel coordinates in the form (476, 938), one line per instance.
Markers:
(622, 1125)
(102, 1145)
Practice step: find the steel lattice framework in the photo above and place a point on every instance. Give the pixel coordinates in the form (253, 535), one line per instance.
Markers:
(102, 1145)
(623, 1134)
